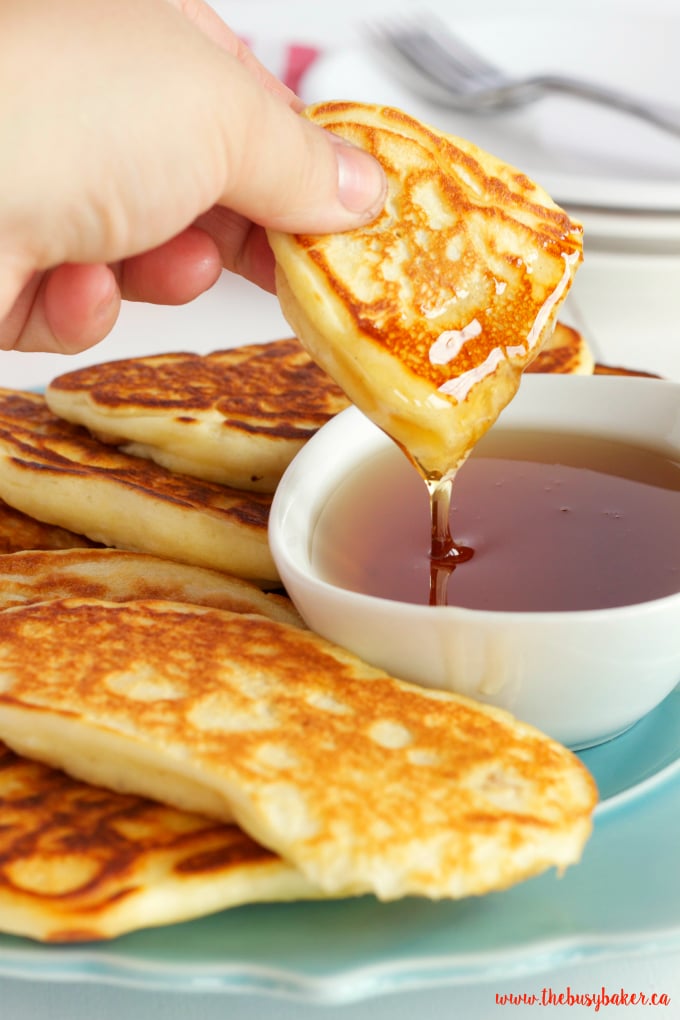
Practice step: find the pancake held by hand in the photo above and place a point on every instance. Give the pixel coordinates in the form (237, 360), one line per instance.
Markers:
(237, 417)
(57, 473)
(360, 781)
(118, 576)
(80, 863)
(427, 316)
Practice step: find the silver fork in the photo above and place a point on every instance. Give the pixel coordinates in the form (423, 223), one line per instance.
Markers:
(448, 71)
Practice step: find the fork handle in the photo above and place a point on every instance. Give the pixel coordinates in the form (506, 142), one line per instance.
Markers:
(667, 118)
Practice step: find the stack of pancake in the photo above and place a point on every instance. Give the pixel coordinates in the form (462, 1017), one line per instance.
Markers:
(218, 757)
(175, 740)
(130, 676)
(176, 455)
(84, 862)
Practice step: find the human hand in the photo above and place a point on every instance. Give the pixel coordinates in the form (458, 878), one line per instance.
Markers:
(142, 148)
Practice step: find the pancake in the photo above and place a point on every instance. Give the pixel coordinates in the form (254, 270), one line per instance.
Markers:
(19, 531)
(565, 353)
(57, 473)
(427, 315)
(362, 782)
(237, 417)
(119, 576)
(79, 863)
(602, 369)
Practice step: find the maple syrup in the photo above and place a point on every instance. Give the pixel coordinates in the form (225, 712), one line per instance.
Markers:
(550, 521)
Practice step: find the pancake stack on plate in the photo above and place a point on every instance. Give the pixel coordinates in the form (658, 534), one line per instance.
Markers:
(59, 474)
(361, 782)
(175, 455)
(179, 742)
(175, 741)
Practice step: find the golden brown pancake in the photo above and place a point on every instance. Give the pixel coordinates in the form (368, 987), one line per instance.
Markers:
(565, 353)
(79, 863)
(601, 369)
(19, 531)
(57, 473)
(427, 315)
(362, 782)
(237, 417)
(120, 576)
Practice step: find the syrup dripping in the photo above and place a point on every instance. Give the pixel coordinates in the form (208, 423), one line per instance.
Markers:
(445, 553)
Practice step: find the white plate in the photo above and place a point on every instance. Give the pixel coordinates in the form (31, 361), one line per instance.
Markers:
(582, 154)
(634, 232)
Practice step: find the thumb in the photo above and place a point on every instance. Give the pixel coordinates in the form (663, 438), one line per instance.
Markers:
(289, 174)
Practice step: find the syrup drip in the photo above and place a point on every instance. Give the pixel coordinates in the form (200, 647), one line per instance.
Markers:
(445, 553)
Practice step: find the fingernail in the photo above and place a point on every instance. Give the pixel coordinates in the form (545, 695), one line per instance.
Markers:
(108, 294)
(362, 185)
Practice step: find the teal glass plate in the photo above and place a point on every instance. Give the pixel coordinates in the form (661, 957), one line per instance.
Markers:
(648, 753)
(623, 897)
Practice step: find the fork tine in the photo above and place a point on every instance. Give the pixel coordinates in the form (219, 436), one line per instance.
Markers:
(443, 68)
(431, 50)
(419, 50)
(465, 57)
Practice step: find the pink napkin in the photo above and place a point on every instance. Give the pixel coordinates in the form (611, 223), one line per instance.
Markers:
(298, 60)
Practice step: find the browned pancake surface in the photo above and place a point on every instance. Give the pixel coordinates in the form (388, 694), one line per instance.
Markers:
(18, 531)
(80, 863)
(121, 576)
(362, 782)
(565, 353)
(57, 473)
(236, 417)
(273, 388)
(602, 369)
(427, 315)
(479, 204)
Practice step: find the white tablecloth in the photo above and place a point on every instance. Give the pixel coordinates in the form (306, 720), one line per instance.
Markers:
(626, 305)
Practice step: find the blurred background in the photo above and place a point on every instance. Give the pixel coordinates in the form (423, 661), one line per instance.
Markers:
(618, 176)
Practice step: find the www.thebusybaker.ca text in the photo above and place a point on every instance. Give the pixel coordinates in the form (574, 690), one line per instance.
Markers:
(592, 1000)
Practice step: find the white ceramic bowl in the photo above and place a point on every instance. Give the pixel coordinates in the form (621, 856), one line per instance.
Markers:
(580, 676)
